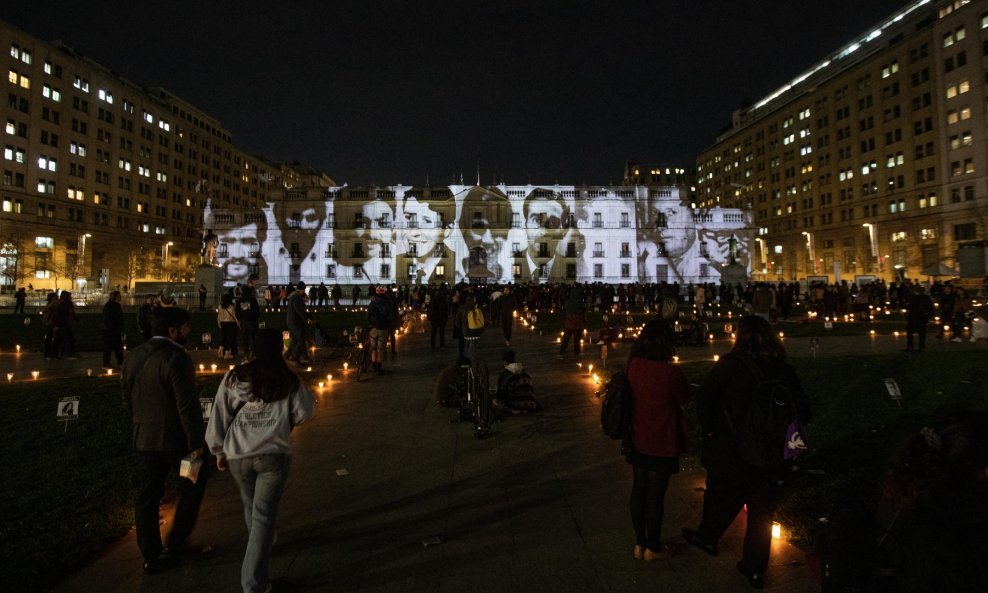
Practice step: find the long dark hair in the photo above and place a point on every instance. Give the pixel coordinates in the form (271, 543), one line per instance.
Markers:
(656, 342)
(268, 374)
(756, 339)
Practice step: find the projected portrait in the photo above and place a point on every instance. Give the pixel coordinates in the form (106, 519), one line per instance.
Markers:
(668, 249)
(483, 225)
(239, 247)
(297, 234)
(421, 240)
(373, 234)
(543, 219)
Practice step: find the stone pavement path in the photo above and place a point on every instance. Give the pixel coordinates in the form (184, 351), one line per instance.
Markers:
(540, 506)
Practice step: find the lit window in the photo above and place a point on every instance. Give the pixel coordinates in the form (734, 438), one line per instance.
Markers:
(47, 163)
(11, 128)
(44, 242)
(15, 51)
(148, 117)
(105, 96)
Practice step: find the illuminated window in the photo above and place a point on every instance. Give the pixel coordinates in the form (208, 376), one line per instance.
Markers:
(927, 233)
(44, 242)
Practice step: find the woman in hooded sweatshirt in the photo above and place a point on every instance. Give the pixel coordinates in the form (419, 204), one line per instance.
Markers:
(256, 407)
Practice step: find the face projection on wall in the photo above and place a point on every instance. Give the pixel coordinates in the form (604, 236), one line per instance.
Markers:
(669, 236)
(543, 216)
(373, 237)
(484, 236)
(299, 226)
(423, 232)
(240, 247)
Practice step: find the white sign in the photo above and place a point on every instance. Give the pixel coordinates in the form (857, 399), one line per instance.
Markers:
(207, 407)
(893, 388)
(68, 407)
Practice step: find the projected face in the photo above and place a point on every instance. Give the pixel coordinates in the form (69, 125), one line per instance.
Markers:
(422, 224)
(299, 224)
(541, 216)
(377, 219)
(242, 251)
(673, 226)
(483, 236)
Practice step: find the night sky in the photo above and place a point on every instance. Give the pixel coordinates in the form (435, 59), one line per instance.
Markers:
(401, 91)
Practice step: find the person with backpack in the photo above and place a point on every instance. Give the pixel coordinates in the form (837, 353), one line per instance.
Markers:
(746, 407)
(659, 390)
(514, 386)
(472, 322)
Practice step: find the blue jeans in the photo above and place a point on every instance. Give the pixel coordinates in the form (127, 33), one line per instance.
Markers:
(261, 480)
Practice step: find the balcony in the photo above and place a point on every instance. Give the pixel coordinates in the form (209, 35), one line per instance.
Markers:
(625, 254)
(598, 254)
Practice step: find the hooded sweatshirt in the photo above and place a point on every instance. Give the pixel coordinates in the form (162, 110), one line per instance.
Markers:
(258, 428)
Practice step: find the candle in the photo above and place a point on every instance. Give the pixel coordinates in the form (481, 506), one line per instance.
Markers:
(346, 365)
(213, 367)
(321, 385)
(10, 377)
(18, 348)
(776, 530)
(35, 374)
(202, 367)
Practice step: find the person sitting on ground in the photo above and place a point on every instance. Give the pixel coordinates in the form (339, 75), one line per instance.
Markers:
(514, 387)
(451, 385)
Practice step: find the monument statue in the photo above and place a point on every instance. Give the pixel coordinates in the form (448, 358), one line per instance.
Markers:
(210, 242)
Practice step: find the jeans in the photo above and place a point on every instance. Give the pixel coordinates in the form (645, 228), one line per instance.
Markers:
(261, 480)
(157, 465)
(470, 349)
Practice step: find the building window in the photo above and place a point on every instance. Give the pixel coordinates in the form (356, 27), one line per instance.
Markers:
(965, 232)
(44, 242)
(598, 270)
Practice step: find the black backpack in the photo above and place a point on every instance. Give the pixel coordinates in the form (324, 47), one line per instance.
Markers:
(615, 410)
(761, 431)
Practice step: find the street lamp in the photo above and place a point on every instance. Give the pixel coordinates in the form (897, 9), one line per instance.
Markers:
(164, 260)
(809, 248)
(873, 241)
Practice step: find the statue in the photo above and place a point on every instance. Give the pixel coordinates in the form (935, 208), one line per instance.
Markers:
(209, 244)
(732, 250)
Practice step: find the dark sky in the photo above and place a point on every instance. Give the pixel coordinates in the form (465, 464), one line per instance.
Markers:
(393, 91)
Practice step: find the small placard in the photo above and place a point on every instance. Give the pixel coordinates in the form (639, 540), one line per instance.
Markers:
(828, 325)
(342, 472)
(207, 407)
(893, 388)
(207, 338)
(68, 407)
(431, 541)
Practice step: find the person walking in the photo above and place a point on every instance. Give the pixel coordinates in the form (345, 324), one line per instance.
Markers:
(159, 387)
(20, 298)
(438, 315)
(574, 322)
(919, 310)
(226, 318)
(248, 315)
(659, 389)
(256, 407)
(296, 318)
(145, 317)
(506, 306)
(63, 321)
(734, 479)
(381, 320)
(113, 328)
(47, 315)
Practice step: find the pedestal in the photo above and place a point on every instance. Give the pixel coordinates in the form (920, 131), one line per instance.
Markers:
(733, 274)
(212, 278)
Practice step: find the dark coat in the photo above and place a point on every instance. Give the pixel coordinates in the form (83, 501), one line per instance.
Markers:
(159, 386)
(296, 315)
(113, 318)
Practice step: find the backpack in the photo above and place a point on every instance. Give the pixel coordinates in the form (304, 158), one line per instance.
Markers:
(769, 433)
(475, 322)
(615, 411)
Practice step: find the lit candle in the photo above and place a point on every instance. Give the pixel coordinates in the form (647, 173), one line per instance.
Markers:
(89, 372)
(675, 359)
(35, 374)
(872, 333)
(18, 348)
(202, 367)
(213, 367)
(321, 385)
(346, 365)
(109, 372)
(10, 377)
(716, 357)
(329, 378)
(307, 369)
(776, 530)
(781, 335)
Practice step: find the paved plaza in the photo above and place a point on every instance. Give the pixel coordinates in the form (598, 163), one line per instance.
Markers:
(386, 494)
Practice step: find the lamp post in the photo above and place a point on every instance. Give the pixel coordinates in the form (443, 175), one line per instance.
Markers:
(873, 243)
(80, 263)
(809, 249)
(164, 259)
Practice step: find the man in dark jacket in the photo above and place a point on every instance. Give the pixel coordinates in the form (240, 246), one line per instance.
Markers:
(113, 327)
(296, 319)
(20, 297)
(438, 314)
(920, 310)
(159, 386)
(145, 317)
(506, 306)
(248, 314)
